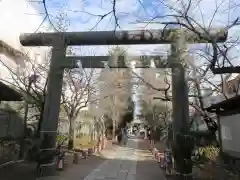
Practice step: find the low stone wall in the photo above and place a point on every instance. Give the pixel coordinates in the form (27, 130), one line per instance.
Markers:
(9, 151)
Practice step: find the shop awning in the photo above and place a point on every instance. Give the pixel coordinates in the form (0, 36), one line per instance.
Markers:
(9, 94)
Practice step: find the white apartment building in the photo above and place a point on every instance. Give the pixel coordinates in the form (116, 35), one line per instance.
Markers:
(114, 90)
(229, 88)
(16, 17)
(151, 78)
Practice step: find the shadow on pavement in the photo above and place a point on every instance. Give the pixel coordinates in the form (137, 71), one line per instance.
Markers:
(97, 167)
(27, 171)
(18, 171)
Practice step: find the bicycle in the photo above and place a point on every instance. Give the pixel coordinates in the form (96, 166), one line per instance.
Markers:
(168, 162)
(44, 157)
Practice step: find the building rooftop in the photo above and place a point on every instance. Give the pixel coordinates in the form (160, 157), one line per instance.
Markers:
(226, 105)
(9, 94)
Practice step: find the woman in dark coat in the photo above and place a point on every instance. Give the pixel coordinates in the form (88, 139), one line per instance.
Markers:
(124, 135)
(119, 137)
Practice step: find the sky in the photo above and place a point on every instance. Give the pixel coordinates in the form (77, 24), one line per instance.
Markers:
(83, 15)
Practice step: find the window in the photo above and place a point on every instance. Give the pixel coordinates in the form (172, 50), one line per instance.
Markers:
(232, 87)
(118, 85)
(38, 58)
(158, 75)
(236, 86)
(18, 69)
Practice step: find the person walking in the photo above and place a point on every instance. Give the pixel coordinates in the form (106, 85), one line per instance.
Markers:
(151, 138)
(119, 137)
(124, 135)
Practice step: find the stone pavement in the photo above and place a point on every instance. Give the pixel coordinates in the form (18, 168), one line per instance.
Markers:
(121, 165)
(24, 170)
(132, 162)
(147, 168)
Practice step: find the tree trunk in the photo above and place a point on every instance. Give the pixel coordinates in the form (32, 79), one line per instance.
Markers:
(114, 130)
(40, 118)
(71, 133)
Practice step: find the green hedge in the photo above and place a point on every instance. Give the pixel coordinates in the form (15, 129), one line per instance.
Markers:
(61, 138)
(208, 153)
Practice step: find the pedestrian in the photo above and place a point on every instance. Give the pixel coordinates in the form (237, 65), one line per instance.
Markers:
(168, 161)
(124, 135)
(150, 137)
(119, 137)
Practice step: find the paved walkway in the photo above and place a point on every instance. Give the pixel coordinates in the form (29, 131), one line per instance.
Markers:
(133, 162)
(121, 165)
(147, 168)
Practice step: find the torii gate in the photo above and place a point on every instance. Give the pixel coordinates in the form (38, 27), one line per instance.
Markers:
(60, 40)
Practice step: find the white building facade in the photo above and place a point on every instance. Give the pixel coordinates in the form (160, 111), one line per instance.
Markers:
(228, 88)
(18, 17)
